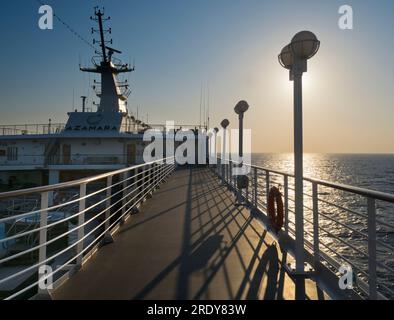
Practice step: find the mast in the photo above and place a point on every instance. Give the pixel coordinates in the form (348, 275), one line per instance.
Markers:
(112, 93)
(100, 23)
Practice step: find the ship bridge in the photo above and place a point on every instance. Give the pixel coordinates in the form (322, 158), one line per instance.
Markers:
(163, 231)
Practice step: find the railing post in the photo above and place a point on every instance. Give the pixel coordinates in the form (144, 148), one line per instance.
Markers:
(247, 193)
(42, 254)
(227, 168)
(267, 184)
(143, 173)
(223, 170)
(81, 221)
(230, 174)
(108, 202)
(372, 281)
(315, 207)
(124, 193)
(255, 188)
(107, 235)
(286, 204)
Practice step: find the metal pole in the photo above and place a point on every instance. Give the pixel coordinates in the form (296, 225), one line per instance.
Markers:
(255, 187)
(240, 147)
(315, 200)
(240, 152)
(124, 177)
(267, 185)
(224, 155)
(42, 254)
(372, 281)
(108, 203)
(298, 171)
(107, 235)
(214, 146)
(81, 221)
(286, 195)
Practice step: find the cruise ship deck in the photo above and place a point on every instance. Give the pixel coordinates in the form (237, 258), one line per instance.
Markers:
(189, 241)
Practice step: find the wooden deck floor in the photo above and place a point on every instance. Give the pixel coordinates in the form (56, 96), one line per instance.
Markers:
(188, 242)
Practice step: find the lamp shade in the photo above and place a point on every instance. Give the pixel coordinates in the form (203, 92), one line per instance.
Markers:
(241, 107)
(286, 57)
(225, 123)
(304, 45)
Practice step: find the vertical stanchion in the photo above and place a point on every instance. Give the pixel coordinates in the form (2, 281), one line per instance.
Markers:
(107, 235)
(286, 204)
(142, 177)
(267, 185)
(42, 253)
(124, 193)
(255, 187)
(247, 193)
(108, 202)
(81, 221)
(315, 207)
(372, 276)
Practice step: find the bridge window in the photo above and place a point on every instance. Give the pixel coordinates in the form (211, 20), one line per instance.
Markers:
(12, 153)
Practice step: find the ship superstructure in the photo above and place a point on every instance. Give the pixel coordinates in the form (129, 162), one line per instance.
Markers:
(104, 139)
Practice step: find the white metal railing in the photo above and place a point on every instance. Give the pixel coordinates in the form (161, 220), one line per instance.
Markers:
(18, 129)
(58, 128)
(342, 224)
(67, 238)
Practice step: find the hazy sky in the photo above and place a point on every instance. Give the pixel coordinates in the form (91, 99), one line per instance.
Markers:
(232, 45)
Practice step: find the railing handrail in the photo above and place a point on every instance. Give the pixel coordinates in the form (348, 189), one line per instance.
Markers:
(73, 183)
(378, 195)
(370, 283)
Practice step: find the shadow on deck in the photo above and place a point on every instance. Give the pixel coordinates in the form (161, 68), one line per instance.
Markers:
(188, 242)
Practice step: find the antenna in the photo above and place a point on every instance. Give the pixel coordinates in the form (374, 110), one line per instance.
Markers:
(99, 14)
(208, 105)
(200, 103)
(203, 99)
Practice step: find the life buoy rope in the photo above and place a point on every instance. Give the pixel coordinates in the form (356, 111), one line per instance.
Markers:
(275, 214)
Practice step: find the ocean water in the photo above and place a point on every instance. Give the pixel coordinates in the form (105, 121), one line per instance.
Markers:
(371, 171)
(340, 220)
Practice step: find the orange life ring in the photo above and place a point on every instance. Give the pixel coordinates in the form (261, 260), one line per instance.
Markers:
(275, 214)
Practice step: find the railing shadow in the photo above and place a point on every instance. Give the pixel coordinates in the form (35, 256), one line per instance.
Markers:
(212, 229)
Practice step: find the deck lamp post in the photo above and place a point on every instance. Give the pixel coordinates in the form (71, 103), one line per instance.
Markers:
(242, 180)
(209, 145)
(224, 124)
(215, 135)
(293, 57)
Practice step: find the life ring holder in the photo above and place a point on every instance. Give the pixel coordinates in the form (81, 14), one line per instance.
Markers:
(275, 208)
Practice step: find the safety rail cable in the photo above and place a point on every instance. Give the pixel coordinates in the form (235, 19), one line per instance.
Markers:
(261, 185)
(60, 268)
(1, 281)
(6, 195)
(62, 221)
(148, 178)
(66, 249)
(73, 183)
(74, 244)
(73, 216)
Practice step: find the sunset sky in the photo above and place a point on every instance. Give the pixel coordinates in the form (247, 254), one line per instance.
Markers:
(230, 46)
